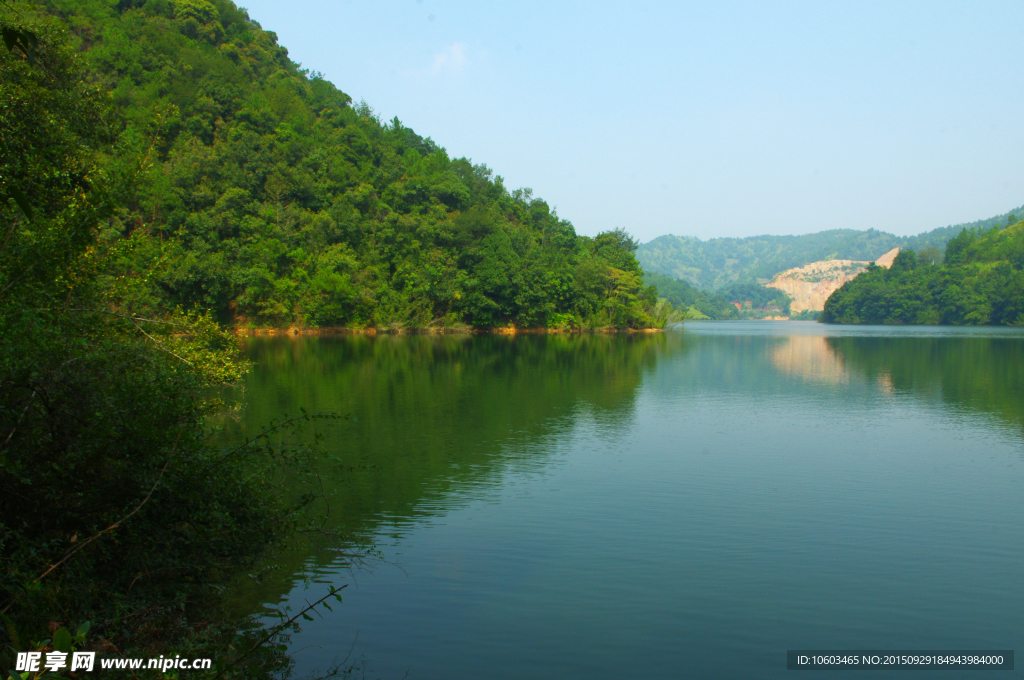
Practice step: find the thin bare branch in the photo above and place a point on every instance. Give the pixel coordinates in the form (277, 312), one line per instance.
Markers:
(23, 412)
(78, 548)
(160, 345)
(282, 626)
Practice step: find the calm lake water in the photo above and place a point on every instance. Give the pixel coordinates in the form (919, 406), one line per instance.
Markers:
(685, 504)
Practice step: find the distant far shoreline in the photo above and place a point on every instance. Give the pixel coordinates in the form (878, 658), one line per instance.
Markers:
(502, 330)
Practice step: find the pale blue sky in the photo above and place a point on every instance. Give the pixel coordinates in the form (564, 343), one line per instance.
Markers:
(698, 118)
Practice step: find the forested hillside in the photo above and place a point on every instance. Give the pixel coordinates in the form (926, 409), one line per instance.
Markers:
(163, 164)
(266, 196)
(754, 300)
(981, 281)
(715, 263)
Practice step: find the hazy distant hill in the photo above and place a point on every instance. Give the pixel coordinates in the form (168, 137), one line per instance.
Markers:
(718, 262)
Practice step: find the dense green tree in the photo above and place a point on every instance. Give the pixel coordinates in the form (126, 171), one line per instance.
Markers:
(699, 304)
(981, 281)
(114, 507)
(268, 198)
(761, 298)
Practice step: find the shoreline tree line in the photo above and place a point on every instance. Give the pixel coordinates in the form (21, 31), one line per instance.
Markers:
(979, 281)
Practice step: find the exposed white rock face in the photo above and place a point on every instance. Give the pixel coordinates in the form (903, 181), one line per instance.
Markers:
(811, 284)
(886, 260)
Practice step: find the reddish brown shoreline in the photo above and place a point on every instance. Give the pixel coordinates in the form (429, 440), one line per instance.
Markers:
(503, 330)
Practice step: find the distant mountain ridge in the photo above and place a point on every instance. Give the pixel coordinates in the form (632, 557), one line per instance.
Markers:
(718, 262)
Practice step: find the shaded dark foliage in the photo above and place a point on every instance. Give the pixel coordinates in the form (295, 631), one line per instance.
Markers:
(114, 507)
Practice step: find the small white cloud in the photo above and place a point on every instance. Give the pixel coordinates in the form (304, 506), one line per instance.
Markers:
(449, 61)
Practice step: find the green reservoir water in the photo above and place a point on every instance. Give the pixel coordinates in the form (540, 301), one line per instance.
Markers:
(684, 504)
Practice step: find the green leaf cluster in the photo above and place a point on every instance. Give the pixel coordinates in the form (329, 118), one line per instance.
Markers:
(980, 282)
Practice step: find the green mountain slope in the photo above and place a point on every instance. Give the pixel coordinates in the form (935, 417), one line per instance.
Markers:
(266, 196)
(981, 282)
(735, 301)
(717, 262)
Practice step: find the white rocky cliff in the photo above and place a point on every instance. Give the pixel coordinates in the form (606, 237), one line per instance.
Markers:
(811, 284)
